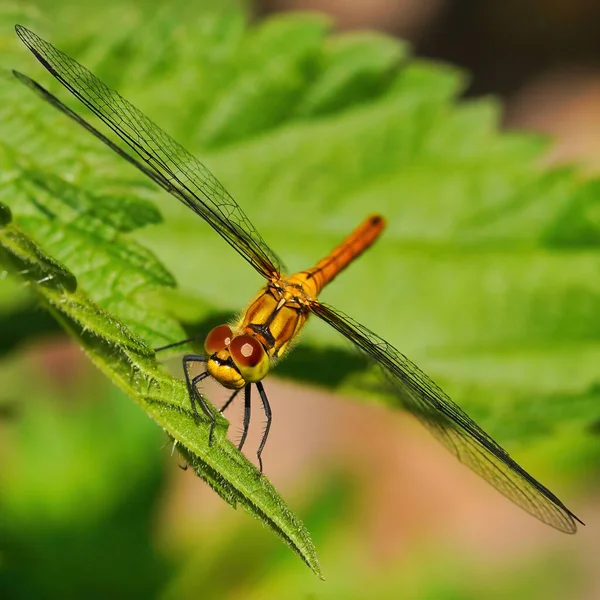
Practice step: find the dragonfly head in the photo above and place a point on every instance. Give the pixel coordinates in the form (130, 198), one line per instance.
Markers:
(233, 360)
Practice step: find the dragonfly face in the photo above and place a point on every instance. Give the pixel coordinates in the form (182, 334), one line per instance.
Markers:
(235, 361)
(240, 357)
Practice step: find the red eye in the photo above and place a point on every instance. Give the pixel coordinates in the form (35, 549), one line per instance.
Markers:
(246, 351)
(218, 338)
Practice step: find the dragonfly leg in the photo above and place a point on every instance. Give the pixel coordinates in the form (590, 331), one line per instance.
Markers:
(183, 467)
(269, 415)
(190, 359)
(181, 343)
(247, 395)
(224, 407)
(195, 395)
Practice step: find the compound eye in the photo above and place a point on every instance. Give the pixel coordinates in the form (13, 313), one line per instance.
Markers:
(246, 351)
(250, 357)
(218, 338)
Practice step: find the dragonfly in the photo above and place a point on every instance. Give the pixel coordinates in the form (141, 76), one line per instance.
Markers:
(239, 355)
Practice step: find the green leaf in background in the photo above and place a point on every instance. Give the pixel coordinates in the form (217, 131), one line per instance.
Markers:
(79, 488)
(486, 276)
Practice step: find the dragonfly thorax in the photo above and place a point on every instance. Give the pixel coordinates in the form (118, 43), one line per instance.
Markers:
(244, 354)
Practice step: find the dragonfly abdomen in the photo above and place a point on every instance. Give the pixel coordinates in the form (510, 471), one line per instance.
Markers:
(315, 279)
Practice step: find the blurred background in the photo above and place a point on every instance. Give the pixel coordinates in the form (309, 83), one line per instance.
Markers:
(92, 502)
(540, 56)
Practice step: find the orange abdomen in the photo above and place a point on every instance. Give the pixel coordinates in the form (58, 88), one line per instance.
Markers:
(354, 245)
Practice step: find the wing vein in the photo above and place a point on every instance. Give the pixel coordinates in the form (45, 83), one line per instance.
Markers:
(420, 396)
(183, 175)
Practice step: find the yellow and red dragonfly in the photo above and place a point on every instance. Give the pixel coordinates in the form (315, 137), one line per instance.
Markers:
(240, 355)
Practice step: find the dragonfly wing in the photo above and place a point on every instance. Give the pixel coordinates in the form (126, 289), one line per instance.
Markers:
(54, 101)
(183, 175)
(420, 396)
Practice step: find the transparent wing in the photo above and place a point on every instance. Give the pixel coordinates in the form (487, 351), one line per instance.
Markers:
(420, 396)
(176, 170)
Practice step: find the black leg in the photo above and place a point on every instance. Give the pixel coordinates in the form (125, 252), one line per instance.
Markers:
(182, 467)
(195, 395)
(174, 345)
(247, 390)
(190, 359)
(224, 407)
(269, 415)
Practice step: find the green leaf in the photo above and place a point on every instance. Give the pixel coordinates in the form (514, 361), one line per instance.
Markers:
(352, 69)
(131, 364)
(276, 65)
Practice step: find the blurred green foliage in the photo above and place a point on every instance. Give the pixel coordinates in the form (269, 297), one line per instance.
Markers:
(486, 276)
(79, 488)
